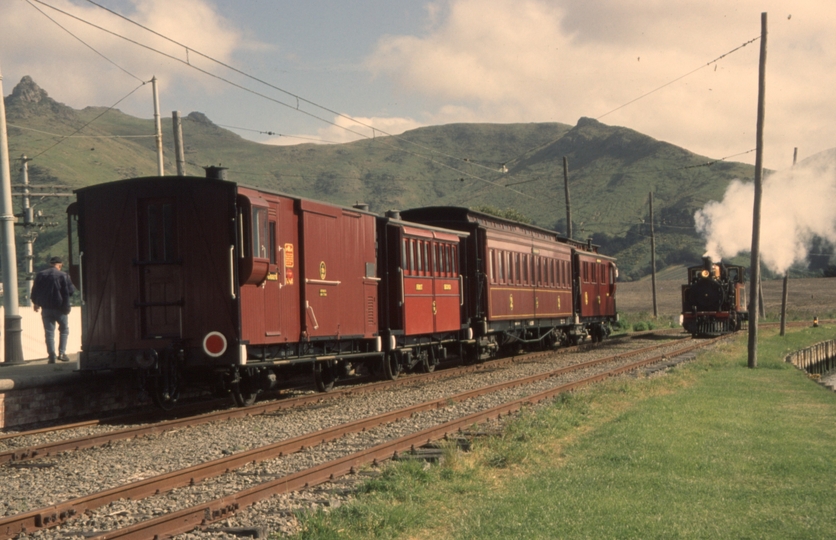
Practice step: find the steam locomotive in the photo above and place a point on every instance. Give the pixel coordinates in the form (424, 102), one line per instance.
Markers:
(191, 279)
(714, 299)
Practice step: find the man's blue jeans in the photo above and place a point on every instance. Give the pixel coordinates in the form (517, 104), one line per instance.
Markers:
(50, 317)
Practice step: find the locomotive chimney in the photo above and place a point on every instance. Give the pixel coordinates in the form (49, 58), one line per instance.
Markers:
(393, 214)
(215, 173)
(707, 263)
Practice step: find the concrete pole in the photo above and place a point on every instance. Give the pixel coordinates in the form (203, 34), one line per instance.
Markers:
(177, 126)
(756, 211)
(8, 257)
(158, 127)
(29, 235)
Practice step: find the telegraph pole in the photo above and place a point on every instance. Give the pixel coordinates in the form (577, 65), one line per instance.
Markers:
(785, 294)
(177, 126)
(12, 345)
(756, 212)
(653, 257)
(566, 188)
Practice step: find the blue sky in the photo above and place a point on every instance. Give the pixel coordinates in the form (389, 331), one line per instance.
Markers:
(398, 64)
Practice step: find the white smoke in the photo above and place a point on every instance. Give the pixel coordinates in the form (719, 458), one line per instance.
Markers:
(797, 205)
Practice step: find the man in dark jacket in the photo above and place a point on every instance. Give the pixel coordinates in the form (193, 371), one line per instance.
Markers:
(51, 294)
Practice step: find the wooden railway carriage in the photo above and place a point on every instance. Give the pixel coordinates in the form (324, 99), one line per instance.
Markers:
(526, 285)
(421, 299)
(194, 275)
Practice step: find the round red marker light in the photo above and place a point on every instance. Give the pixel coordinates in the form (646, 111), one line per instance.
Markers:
(214, 344)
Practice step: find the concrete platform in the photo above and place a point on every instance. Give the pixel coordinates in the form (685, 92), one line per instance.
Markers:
(35, 371)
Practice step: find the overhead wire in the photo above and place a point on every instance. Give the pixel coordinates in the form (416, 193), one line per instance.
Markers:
(299, 98)
(287, 92)
(277, 101)
(534, 149)
(82, 136)
(64, 138)
(81, 40)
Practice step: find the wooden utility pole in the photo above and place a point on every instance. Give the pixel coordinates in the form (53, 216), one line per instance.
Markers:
(566, 188)
(653, 257)
(179, 154)
(756, 211)
(785, 295)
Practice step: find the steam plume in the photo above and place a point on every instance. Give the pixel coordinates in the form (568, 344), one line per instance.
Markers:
(797, 204)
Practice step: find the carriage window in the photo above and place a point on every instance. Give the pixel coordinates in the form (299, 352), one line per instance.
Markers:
(445, 259)
(260, 234)
(419, 257)
(517, 267)
(454, 257)
(503, 262)
(271, 248)
(435, 260)
(412, 262)
(525, 269)
(404, 259)
(427, 265)
(492, 265)
(161, 236)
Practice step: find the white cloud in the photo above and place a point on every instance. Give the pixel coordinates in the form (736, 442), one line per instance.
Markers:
(40, 48)
(345, 130)
(533, 60)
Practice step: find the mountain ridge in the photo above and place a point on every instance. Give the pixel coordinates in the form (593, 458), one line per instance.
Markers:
(518, 166)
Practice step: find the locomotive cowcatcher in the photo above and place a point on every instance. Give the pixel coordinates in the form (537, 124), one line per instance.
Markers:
(714, 299)
(187, 279)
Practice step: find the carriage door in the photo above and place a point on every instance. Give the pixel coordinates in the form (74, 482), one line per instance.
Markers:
(272, 285)
(160, 268)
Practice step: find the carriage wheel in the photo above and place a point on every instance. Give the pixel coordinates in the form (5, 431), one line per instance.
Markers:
(390, 365)
(325, 375)
(245, 390)
(427, 363)
(167, 384)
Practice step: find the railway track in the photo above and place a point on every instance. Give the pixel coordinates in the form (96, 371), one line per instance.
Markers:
(189, 477)
(105, 431)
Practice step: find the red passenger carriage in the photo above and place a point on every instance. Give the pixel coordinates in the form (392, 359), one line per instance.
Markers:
(194, 276)
(524, 285)
(189, 278)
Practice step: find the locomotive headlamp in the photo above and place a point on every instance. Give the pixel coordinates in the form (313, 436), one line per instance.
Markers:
(704, 273)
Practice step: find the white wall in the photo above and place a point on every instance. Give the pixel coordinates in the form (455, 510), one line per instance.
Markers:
(32, 338)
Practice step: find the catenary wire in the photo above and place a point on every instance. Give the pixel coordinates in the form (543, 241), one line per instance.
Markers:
(277, 101)
(287, 92)
(82, 41)
(64, 138)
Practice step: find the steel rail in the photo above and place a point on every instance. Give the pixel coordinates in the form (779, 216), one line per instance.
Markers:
(201, 515)
(57, 514)
(18, 455)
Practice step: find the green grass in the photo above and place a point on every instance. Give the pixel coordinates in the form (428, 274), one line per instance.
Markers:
(713, 449)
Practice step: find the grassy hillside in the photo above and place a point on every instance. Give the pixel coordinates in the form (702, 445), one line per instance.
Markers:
(506, 166)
